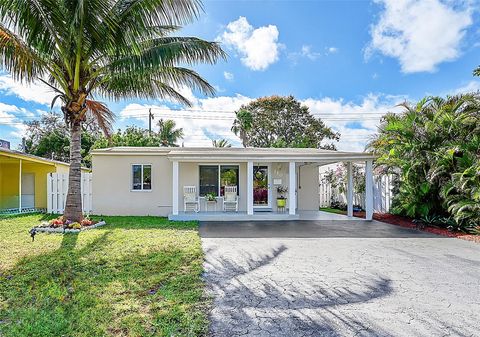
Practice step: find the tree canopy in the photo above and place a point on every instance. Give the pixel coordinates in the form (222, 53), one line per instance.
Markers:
(434, 148)
(278, 121)
(140, 137)
(221, 143)
(49, 138)
(168, 134)
(117, 49)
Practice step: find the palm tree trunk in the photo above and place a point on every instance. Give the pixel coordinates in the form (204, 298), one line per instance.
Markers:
(73, 207)
(243, 137)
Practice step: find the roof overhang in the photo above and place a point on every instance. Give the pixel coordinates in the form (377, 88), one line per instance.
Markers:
(193, 154)
(18, 157)
(269, 158)
(14, 156)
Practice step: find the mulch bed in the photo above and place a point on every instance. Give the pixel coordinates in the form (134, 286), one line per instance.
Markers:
(407, 222)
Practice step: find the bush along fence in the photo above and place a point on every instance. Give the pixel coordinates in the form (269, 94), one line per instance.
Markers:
(57, 186)
(331, 195)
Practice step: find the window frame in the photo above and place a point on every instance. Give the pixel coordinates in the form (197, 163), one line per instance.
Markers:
(219, 176)
(142, 177)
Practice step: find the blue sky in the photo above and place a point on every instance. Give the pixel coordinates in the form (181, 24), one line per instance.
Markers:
(349, 61)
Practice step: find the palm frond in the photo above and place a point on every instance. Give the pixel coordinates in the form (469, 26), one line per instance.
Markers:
(102, 115)
(18, 58)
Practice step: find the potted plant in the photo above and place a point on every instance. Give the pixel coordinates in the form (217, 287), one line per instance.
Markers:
(281, 199)
(211, 199)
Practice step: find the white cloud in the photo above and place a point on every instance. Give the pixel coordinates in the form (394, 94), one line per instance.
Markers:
(35, 92)
(472, 86)
(209, 118)
(258, 47)
(331, 50)
(212, 118)
(228, 76)
(420, 34)
(305, 52)
(309, 53)
(11, 116)
(356, 122)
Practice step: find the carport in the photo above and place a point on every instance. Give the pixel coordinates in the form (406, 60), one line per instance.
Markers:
(257, 174)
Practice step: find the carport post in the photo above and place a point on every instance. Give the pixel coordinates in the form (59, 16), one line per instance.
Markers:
(20, 187)
(250, 187)
(369, 190)
(292, 182)
(175, 188)
(349, 189)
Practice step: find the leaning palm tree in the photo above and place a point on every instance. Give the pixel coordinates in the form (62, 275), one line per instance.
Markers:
(242, 125)
(221, 143)
(115, 49)
(169, 136)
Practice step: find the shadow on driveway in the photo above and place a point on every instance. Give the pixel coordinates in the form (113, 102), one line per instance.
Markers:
(308, 229)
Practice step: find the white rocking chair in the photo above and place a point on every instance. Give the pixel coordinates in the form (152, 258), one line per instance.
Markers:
(190, 199)
(230, 199)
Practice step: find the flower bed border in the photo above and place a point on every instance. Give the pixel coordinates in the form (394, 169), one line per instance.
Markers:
(62, 230)
(402, 221)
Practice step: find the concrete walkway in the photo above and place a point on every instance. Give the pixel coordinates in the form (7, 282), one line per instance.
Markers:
(336, 278)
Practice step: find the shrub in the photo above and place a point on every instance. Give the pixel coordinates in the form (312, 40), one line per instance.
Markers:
(434, 146)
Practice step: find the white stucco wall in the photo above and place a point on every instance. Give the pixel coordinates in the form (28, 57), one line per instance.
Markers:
(112, 186)
(113, 195)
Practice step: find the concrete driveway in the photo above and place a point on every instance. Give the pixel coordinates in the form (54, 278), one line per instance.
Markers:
(306, 278)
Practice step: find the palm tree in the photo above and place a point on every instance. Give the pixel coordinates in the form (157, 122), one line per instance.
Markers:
(168, 134)
(116, 49)
(242, 125)
(221, 143)
(434, 148)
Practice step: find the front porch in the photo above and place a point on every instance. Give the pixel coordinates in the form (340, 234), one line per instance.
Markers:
(23, 182)
(259, 216)
(259, 177)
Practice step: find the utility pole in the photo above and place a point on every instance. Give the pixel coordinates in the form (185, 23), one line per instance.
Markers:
(150, 118)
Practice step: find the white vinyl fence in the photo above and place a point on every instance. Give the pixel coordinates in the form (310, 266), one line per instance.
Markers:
(382, 194)
(57, 185)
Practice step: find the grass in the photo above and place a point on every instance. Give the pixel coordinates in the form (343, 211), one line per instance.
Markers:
(137, 276)
(332, 210)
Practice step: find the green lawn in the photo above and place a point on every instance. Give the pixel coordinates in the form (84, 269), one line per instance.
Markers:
(332, 210)
(137, 276)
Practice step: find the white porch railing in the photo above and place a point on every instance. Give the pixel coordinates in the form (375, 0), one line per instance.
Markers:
(57, 186)
(382, 194)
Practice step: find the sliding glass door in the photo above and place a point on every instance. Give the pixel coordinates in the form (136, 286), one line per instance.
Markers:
(214, 178)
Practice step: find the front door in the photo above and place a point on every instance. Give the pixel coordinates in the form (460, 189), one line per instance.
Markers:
(261, 186)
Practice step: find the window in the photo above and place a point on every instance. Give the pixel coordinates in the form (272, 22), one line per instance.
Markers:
(141, 177)
(208, 180)
(214, 178)
(228, 177)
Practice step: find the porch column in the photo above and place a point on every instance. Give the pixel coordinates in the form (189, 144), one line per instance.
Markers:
(349, 189)
(369, 190)
(250, 188)
(175, 188)
(20, 186)
(292, 186)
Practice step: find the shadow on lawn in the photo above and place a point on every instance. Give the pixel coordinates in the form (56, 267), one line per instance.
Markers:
(89, 290)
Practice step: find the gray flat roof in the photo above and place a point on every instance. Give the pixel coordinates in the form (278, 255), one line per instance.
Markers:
(237, 153)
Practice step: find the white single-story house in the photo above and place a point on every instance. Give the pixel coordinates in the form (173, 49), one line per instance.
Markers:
(187, 183)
